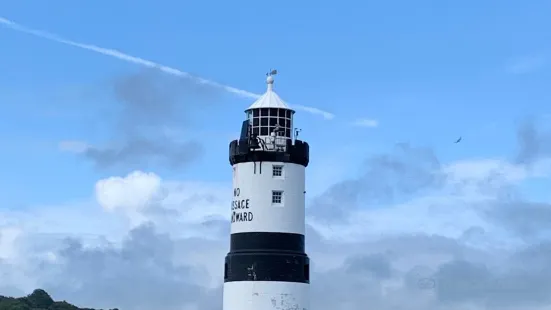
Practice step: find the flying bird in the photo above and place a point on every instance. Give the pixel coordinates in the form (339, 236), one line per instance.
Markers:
(458, 140)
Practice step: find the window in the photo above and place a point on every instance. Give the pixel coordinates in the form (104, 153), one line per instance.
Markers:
(307, 272)
(277, 197)
(264, 121)
(277, 170)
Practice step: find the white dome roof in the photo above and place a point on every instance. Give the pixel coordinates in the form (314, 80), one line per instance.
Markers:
(270, 99)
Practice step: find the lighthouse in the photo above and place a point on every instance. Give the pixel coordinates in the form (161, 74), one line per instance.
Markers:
(267, 266)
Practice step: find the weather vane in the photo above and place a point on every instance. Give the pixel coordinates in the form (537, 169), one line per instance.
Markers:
(272, 72)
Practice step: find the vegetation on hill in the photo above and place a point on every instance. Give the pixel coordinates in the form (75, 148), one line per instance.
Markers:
(38, 300)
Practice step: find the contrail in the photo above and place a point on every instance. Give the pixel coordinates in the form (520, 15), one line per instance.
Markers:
(146, 63)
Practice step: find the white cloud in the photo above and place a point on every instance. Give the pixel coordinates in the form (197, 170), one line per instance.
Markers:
(482, 169)
(8, 237)
(326, 115)
(144, 197)
(133, 192)
(73, 146)
(526, 64)
(366, 122)
(129, 195)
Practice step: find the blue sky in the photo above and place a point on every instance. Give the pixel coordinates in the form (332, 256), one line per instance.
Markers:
(427, 71)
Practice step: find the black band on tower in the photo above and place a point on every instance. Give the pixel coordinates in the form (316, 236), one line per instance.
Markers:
(296, 153)
(263, 241)
(262, 256)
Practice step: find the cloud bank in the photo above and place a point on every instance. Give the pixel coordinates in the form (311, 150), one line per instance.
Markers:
(141, 123)
(410, 232)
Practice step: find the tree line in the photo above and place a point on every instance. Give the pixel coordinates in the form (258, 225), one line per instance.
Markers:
(37, 300)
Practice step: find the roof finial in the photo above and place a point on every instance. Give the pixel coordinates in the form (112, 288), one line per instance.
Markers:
(270, 78)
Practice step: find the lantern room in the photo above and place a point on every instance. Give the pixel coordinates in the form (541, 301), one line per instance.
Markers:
(270, 116)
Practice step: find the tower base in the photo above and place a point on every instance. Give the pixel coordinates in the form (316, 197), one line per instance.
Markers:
(266, 295)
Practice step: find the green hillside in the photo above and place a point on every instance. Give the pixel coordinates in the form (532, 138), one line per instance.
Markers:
(38, 300)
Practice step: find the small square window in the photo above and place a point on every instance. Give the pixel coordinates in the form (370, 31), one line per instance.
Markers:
(277, 197)
(277, 170)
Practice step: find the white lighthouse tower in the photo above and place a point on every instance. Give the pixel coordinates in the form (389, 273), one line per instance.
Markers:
(267, 267)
